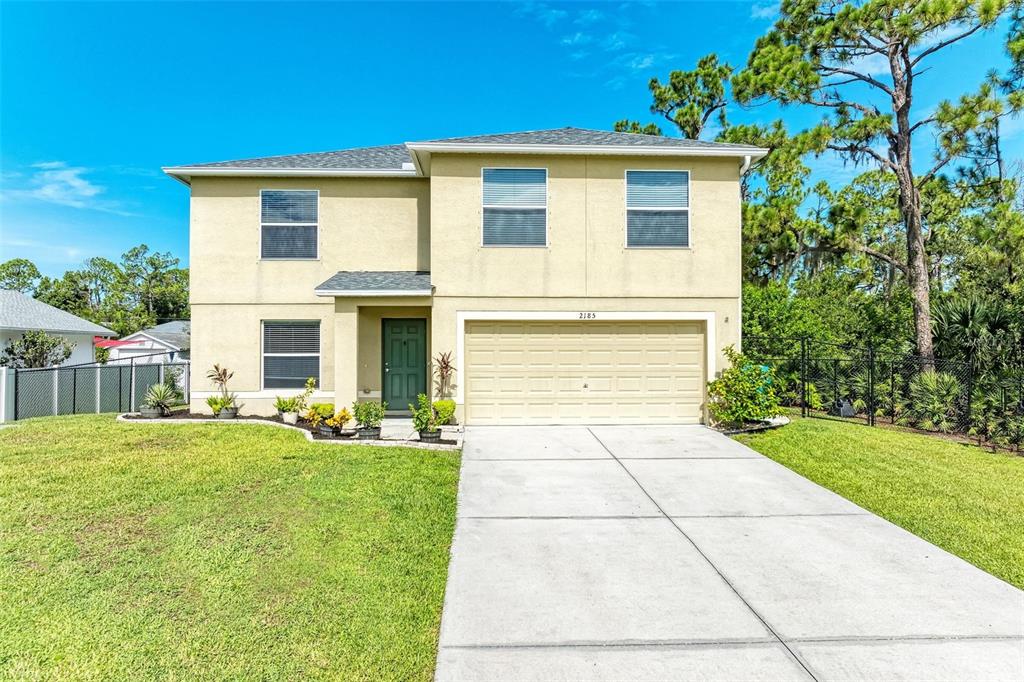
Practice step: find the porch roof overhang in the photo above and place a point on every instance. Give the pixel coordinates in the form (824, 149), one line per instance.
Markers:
(377, 283)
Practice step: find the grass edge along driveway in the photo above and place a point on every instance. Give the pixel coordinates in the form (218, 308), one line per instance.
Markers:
(183, 551)
(966, 500)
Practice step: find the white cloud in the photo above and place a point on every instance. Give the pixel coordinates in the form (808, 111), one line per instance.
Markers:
(614, 42)
(764, 10)
(577, 39)
(588, 16)
(872, 65)
(542, 12)
(641, 62)
(56, 182)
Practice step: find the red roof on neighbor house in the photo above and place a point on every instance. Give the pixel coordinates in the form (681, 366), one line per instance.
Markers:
(101, 342)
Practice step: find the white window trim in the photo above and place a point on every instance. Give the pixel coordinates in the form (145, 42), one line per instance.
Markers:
(259, 253)
(462, 316)
(547, 191)
(686, 209)
(319, 355)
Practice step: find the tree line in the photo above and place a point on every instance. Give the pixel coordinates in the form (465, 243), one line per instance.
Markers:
(143, 289)
(914, 255)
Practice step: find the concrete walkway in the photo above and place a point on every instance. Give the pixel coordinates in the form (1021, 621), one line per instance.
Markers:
(676, 553)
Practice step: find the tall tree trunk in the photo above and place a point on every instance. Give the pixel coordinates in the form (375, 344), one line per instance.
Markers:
(910, 202)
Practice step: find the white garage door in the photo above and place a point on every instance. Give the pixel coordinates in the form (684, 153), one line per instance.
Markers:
(586, 372)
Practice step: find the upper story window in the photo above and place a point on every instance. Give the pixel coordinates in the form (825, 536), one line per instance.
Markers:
(658, 209)
(288, 223)
(515, 207)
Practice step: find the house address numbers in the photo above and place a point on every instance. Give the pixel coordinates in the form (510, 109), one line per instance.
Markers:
(587, 316)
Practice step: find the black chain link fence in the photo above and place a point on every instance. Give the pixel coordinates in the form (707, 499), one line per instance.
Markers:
(947, 396)
(92, 388)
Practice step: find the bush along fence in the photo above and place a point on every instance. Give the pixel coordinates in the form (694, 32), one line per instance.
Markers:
(950, 396)
(89, 388)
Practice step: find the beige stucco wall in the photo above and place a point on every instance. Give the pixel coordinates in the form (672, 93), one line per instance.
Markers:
(586, 253)
(365, 224)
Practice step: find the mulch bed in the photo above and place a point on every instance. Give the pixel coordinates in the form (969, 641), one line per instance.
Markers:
(315, 433)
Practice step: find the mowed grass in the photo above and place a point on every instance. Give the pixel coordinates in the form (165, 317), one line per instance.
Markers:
(212, 551)
(967, 500)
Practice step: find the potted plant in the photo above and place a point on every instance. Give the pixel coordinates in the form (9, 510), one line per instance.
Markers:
(158, 401)
(223, 407)
(424, 419)
(226, 406)
(289, 409)
(338, 421)
(318, 423)
(369, 416)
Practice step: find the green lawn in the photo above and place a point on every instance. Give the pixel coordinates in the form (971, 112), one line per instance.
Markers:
(964, 499)
(218, 551)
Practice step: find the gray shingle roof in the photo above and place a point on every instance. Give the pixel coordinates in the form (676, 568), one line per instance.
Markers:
(392, 157)
(21, 312)
(377, 280)
(177, 333)
(583, 137)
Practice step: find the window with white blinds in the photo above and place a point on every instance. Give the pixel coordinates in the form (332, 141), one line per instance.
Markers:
(291, 353)
(657, 209)
(515, 203)
(288, 223)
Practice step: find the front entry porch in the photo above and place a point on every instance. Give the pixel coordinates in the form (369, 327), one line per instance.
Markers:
(381, 351)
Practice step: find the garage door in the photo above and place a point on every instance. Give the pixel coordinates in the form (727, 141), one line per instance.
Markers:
(587, 372)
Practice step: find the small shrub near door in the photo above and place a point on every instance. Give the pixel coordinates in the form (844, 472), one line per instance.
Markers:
(445, 410)
(744, 393)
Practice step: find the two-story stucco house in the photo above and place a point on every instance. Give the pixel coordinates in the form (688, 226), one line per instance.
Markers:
(576, 276)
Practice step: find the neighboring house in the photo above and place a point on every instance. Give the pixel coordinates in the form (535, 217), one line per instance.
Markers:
(164, 343)
(577, 276)
(20, 313)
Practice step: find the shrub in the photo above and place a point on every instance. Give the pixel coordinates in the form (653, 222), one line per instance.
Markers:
(369, 415)
(933, 397)
(161, 396)
(314, 417)
(445, 410)
(222, 402)
(444, 371)
(423, 416)
(743, 393)
(286, 404)
(325, 410)
(303, 397)
(339, 420)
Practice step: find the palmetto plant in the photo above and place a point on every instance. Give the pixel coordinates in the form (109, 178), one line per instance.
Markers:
(933, 401)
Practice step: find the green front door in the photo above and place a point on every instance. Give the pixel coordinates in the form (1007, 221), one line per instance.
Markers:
(405, 362)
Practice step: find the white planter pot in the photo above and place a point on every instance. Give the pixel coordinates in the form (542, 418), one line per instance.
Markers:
(290, 417)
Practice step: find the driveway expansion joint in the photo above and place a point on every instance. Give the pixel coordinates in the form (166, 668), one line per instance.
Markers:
(795, 657)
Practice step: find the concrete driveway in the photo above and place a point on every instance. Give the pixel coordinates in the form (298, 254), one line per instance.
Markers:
(676, 553)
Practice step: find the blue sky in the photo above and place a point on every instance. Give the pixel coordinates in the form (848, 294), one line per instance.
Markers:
(96, 97)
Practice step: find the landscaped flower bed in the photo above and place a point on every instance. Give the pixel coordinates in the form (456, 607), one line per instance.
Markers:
(450, 438)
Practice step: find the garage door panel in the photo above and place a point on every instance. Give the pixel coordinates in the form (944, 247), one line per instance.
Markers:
(584, 372)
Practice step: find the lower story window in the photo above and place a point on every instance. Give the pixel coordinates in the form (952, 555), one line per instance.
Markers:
(291, 353)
